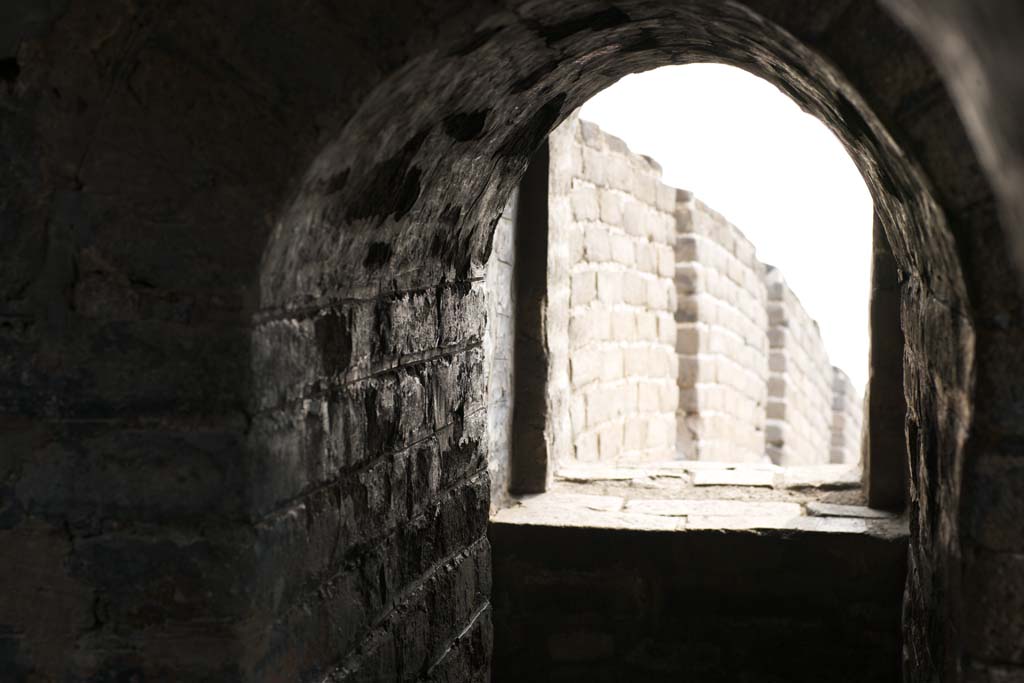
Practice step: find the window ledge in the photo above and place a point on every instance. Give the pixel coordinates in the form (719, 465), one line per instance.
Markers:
(702, 496)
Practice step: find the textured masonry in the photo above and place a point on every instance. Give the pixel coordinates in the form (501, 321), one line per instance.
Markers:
(798, 429)
(847, 419)
(634, 267)
(499, 349)
(608, 207)
(722, 339)
(162, 160)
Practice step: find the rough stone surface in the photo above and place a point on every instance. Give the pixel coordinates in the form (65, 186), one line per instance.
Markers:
(540, 365)
(499, 351)
(800, 386)
(885, 444)
(847, 420)
(635, 602)
(695, 479)
(620, 324)
(722, 338)
(242, 401)
(620, 294)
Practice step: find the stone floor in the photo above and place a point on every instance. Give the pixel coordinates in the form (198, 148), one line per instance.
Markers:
(680, 495)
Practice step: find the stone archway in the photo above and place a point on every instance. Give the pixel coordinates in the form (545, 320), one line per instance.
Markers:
(455, 167)
(282, 238)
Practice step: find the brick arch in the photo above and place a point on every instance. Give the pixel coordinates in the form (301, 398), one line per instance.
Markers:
(456, 128)
(275, 215)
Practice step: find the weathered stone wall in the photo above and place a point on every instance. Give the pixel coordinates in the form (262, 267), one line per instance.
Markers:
(799, 415)
(150, 150)
(885, 466)
(847, 420)
(578, 604)
(371, 423)
(609, 209)
(607, 268)
(722, 338)
(499, 349)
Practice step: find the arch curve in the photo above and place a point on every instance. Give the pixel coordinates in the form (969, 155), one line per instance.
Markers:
(242, 314)
(457, 125)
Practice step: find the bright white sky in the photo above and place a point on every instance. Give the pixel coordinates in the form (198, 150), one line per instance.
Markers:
(778, 174)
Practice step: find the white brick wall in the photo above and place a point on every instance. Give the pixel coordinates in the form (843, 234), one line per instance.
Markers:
(666, 337)
(622, 363)
(847, 419)
(799, 426)
(722, 338)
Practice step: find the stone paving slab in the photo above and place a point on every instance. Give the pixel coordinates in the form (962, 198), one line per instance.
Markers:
(822, 476)
(736, 477)
(559, 515)
(564, 509)
(816, 509)
(719, 508)
(584, 473)
(735, 523)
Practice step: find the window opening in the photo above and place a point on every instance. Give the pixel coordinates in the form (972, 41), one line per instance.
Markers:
(662, 340)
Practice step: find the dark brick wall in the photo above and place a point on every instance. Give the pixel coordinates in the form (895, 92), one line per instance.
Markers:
(883, 449)
(576, 604)
(240, 322)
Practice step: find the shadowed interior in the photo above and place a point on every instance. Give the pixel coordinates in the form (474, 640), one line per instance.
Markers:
(241, 387)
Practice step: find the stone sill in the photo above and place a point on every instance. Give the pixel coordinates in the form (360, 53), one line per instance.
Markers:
(701, 473)
(690, 496)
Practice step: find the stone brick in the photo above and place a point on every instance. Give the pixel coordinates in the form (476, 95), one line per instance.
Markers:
(661, 362)
(599, 407)
(645, 257)
(666, 198)
(611, 207)
(691, 339)
(623, 325)
(594, 167)
(636, 362)
(690, 278)
(586, 447)
(609, 286)
(596, 245)
(578, 413)
(622, 250)
(584, 203)
(688, 249)
(612, 364)
(585, 366)
(646, 325)
(660, 432)
(648, 397)
(584, 287)
(689, 402)
(576, 245)
(609, 437)
(666, 260)
(634, 288)
(619, 175)
(658, 295)
(634, 219)
(666, 329)
(635, 433)
(591, 135)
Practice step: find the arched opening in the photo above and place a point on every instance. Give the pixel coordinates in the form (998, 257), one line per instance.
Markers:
(676, 385)
(614, 333)
(427, 241)
(772, 189)
(243, 325)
